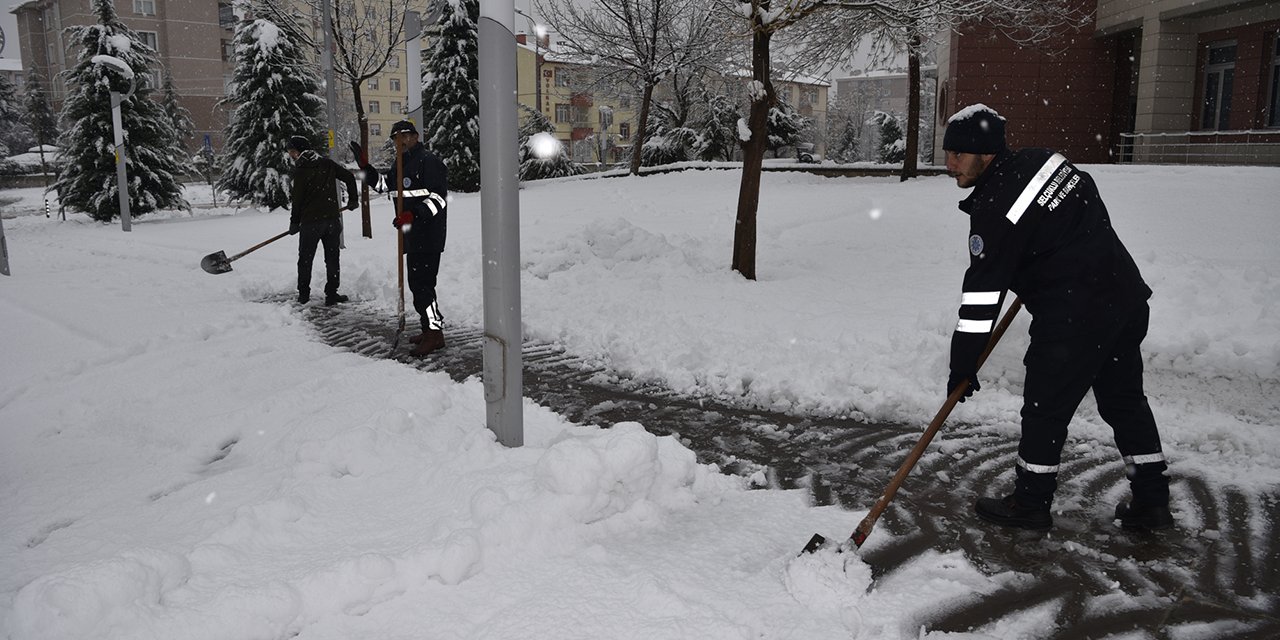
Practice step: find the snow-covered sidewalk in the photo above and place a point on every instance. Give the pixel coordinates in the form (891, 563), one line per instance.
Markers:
(180, 461)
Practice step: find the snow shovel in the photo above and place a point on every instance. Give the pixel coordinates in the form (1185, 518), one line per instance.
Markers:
(864, 528)
(218, 262)
(395, 342)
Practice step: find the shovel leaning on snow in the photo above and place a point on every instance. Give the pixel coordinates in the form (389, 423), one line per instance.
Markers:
(864, 528)
(218, 262)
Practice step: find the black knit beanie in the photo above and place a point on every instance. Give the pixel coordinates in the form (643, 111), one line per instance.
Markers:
(975, 129)
(298, 143)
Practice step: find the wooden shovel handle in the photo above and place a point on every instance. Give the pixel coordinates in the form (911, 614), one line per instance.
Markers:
(864, 528)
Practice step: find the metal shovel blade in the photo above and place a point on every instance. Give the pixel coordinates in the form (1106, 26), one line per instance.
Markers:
(216, 263)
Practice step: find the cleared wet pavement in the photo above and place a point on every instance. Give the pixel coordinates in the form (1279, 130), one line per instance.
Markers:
(1217, 575)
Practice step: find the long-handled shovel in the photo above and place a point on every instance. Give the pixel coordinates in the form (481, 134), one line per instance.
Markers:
(395, 342)
(864, 528)
(218, 262)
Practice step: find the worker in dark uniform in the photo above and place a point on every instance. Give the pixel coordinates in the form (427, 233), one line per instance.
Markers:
(423, 221)
(1039, 228)
(314, 213)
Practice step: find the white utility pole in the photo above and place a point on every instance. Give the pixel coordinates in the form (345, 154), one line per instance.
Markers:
(500, 222)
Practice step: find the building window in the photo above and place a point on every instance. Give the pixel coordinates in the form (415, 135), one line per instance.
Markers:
(395, 84)
(144, 7)
(150, 38)
(375, 129)
(373, 84)
(228, 51)
(1218, 80)
(1273, 119)
(564, 113)
(562, 78)
(375, 106)
(394, 62)
(808, 96)
(624, 130)
(226, 15)
(395, 107)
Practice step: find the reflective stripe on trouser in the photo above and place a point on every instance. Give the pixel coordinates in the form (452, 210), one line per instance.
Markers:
(422, 269)
(1059, 374)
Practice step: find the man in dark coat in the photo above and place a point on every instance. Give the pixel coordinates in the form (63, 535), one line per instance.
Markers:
(315, 215)
(423, 221)
(1039, 228)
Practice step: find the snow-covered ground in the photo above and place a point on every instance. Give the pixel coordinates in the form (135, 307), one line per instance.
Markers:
(178, 460)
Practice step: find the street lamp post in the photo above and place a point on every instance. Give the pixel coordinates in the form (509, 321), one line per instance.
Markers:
(538, 32)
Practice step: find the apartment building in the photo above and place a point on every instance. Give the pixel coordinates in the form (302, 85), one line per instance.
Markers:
(192, 37)
(1161, 81)
(194, 40)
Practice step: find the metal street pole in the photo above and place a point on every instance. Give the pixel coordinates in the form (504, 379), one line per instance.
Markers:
(538, 31)
(413, 66)
(330, 87)
(4, 251)
(500, 222)
(122, 180)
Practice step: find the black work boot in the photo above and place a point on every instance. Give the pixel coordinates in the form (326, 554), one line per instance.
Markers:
(304, 296)
(1006, 512)
(334, 298)
(1148, 518)
(432, 339)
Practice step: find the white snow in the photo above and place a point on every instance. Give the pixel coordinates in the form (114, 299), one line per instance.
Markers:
(972, 110)
(114, 62)
(178, 460)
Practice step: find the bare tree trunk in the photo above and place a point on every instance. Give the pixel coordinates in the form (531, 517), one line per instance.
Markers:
(642, 127)
(366, 224)
(911, 159)
(744, 232)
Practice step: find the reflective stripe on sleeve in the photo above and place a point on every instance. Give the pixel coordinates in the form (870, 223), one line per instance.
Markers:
(974, 326)
(417, 193)
(1037, 468)
(1144, 459)
(980, 298)
(1037, 183)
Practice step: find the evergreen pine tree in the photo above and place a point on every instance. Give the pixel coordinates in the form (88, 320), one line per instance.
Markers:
(276, 95)
(39, 114)
(111, 54)
(533, 166)
(665, 140)
(15, 136)
(785, 127)
(183, 128)
(450, 89)
(893, 140)
(718, 135)
(848, 142)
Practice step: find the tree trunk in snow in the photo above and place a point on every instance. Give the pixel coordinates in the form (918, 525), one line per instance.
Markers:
(910, 167)
(642, 127)
(753, 150)
(366, 224)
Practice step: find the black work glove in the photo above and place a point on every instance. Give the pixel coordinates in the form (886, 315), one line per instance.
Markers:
(955, 380)
(353, 204)
(294, 228)
(966, 348)
(358, 153)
